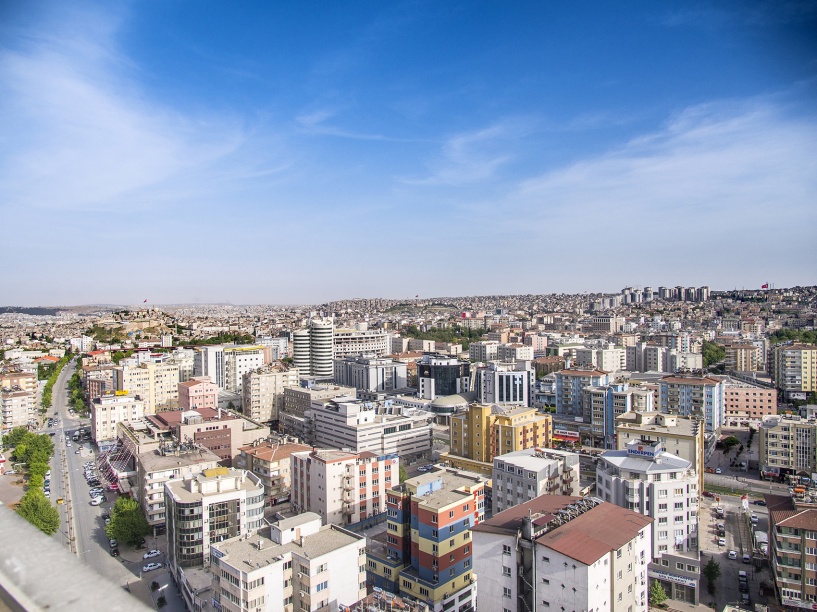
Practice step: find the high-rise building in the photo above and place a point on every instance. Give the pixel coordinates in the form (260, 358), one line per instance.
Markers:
(486, 431)
(792, 527)
(350, 342)
(270, 461)
(295, 565)
(569, 386)
(794, 369)
(693, 395)
(343, 488)
(18, 395)
(646, 479)
(505, 383)
(788, 445)
(113, 408)
(522, 475)
(156, 384)
(209, 361)
(239, 360)
(602, 404)
(427, 552)
(313, 349)
(483, 350)
(301, 354)
(367, 372)
(556, 552)
(680, 436)
(216, 505)
(610, 359)
(438, 376)
(745, 404)
(262, 391)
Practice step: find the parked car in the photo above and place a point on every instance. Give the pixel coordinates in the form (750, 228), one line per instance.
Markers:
(113, 543)
(754, 519)
(721, 541)
(151, 566)
(708, 494)
(96, 501)
(151, 553)
(717, 470)
(115, 552)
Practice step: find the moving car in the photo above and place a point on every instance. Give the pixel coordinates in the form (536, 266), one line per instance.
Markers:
(717, 470)
(115, 552)
(732, 555)
(151, 566)
(747, 558)
(113, 543)
(754, 519)
(151, 553)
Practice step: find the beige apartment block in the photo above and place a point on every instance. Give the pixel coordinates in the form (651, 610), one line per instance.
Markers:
(156, 384)
(270, 461)
(262, 392)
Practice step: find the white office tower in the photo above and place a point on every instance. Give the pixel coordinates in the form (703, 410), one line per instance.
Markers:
(301, 355)
(321, 337)
(209, 361)
(646, 479)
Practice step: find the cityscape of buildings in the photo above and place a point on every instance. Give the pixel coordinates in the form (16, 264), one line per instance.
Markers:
(351, 458)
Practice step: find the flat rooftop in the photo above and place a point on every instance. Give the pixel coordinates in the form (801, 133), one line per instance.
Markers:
(154, 461)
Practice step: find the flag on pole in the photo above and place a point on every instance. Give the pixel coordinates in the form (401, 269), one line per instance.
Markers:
(766, 286)
(145, 302)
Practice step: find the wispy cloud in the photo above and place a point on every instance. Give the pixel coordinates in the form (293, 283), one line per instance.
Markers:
(474, 156)
(79, 134)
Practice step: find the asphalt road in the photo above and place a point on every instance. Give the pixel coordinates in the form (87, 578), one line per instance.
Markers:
(68, 481)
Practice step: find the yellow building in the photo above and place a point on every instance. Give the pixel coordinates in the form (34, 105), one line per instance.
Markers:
(794, 368)
(486, 431)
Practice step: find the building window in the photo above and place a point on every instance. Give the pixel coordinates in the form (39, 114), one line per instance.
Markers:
(506, 549)
(506, 592)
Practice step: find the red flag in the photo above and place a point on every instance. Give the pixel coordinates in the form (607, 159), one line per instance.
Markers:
(766, 286)
(145, 302)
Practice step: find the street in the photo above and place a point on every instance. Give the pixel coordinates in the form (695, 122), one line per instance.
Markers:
(83, 523)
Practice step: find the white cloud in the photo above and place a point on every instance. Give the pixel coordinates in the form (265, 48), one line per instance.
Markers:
(79, 134)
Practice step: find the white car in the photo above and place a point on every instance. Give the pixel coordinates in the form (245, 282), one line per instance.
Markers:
(151, 566)
(96, 501)
(732, 555)
(151, 553)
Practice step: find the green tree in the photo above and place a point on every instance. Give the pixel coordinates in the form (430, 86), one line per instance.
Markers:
(729, 442)
(37, 510)
(15, 436)
(713, 353)
(36, 481)
(128, 524)
(712, 571)
(38, 469)
(403, 474)
(657, 593)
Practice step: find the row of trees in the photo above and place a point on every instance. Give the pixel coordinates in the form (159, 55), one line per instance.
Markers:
(455, 334)
(35, 451)
(45, 404)
(793, 335)
(76, 393)
(223, 338)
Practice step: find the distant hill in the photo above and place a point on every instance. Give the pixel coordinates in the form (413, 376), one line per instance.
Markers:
(36, 310)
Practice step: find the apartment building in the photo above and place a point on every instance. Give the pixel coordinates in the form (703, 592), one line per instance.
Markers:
(650, 357)
(794, 368)
(217, 504)
(610, 359)
(522, 475)
(220, 431)
(295, 565)
(370, 373)
(788, 444)
(113, 408)
(486, 431)
(439, 376)
(425, 553)
(270, 461)
(744, 358)
(561, 552)
(156, 383)
(745, 404)
(341, 487)
(483, 351)
(514, 351)
(209, 361)
(381, 428)
(297, 400)
(156, 467)
(185, 359)
(18, 398)
(198, 392)
(348, 342)
(693, 395)
(262, 391)
(569, 386)
(793, 552)
(238, 361)
(646, 479)
(507, 383)
(607, 324)
(601, 405)
(680, 436)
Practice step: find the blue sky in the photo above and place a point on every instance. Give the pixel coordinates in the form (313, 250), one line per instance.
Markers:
(264, 152)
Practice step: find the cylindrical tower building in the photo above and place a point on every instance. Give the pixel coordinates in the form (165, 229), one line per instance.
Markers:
(301, 353)
(321, 338)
